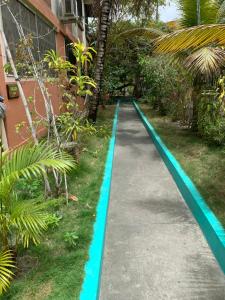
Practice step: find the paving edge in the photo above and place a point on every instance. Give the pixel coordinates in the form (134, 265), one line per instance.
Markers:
(93, 267)
(208, 222)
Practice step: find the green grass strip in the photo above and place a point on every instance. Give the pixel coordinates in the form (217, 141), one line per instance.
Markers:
(93, 268)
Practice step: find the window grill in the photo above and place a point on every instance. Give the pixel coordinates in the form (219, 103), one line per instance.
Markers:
(79, 8)
(43, 34)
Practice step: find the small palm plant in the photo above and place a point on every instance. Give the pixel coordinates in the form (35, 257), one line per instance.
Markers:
(6, 266)
(22, 222)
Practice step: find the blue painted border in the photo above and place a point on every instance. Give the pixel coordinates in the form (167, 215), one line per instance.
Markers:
(93, 268)
(209, 224)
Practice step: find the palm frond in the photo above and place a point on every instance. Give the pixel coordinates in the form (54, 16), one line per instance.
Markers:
(149, 33)
(6, 274)
(206, 61)
(188, 8)
(31, 160)
(191, 38)
(29, 220)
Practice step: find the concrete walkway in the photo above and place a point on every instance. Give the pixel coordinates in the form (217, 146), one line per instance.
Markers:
(154, 247)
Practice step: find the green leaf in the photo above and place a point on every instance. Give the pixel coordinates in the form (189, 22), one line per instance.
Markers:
(6, 273)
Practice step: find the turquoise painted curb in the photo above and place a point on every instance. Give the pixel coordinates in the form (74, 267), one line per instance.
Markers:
(209, 224)
(93, 268)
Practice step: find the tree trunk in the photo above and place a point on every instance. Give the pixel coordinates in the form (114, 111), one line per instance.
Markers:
(137, 92)
(101, 49)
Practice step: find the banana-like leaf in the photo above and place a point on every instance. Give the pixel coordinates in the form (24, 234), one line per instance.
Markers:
(191, 38)
(207, 61)
(6, 273)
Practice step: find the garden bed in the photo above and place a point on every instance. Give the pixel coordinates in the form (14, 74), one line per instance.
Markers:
(55, 269)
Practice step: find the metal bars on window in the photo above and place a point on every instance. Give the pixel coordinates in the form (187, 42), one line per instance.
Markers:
(43, 34)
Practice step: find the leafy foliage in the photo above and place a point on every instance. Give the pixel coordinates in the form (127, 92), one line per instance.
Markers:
(6, 273)
(207, 61)
(56, 62)
(84, 182)
(191, 38)
(166, 86)
(29, 189)
(83, 56)
(211, 119)
(28, 161)
(71, 239)
(122, 71)
(208, 12)
(25, 220)
(83, 84)
(148, 32)
(72, 128)
(22, 222)
(53, 220)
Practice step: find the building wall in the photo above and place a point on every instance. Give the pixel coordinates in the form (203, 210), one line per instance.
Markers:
(15, 110)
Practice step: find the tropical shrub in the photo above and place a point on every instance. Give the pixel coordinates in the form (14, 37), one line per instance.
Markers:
(72, 128)
(72, 122)
(23, 222)
(166, 85)
(211, 115)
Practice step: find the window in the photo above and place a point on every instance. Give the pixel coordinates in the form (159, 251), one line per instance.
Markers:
(79, 8)
(43, 34)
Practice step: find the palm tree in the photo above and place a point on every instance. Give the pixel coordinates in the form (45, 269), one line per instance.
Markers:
(22, 222)
(198, 48)
(25, 220)
(104, 8)
(204, 56)
(103, 25)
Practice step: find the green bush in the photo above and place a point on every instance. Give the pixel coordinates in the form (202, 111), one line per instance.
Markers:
(166, 86)
(29, 188)
(211, 119)
(53, 220)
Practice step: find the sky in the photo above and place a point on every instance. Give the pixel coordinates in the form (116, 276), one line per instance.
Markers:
(169, 12)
